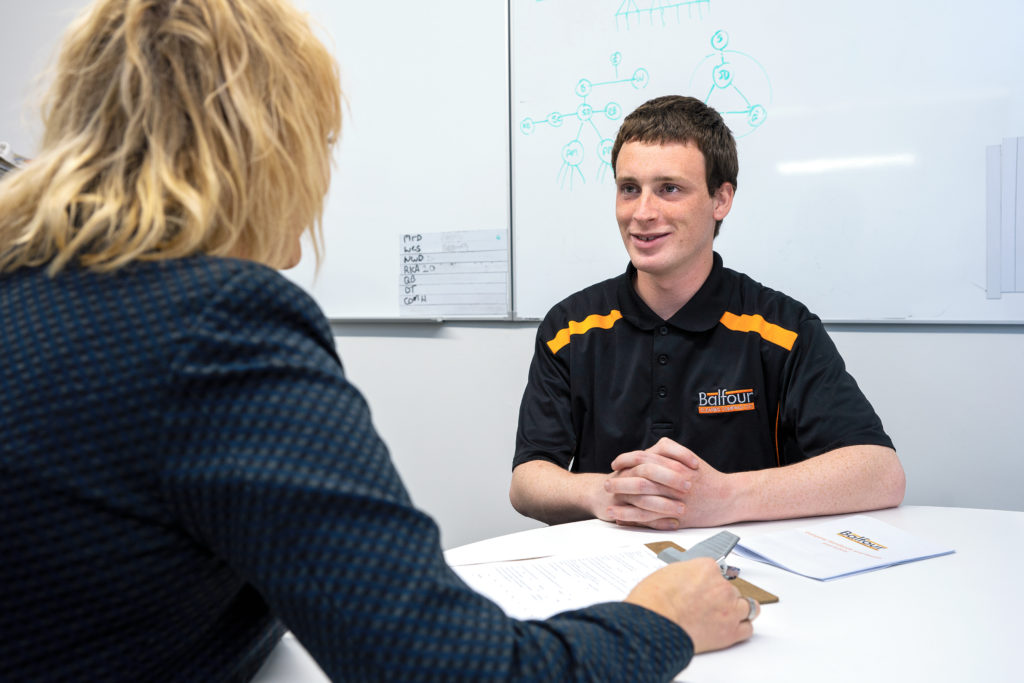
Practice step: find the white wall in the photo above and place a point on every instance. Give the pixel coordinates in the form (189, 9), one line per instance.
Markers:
(30, 32)
(446, 399)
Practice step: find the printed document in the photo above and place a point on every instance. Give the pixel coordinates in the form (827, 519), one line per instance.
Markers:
(542, 587)
(839, 547)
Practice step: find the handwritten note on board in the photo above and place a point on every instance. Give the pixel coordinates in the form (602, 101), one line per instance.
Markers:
(454, 273)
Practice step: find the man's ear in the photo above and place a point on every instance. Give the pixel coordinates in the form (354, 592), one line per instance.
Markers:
(723, 200)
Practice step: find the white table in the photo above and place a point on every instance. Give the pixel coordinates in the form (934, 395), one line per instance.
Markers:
(957, 617)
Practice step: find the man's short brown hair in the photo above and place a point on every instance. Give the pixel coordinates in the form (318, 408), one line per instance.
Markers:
(678, 119)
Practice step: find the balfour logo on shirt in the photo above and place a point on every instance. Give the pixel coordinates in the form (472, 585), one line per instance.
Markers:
(725, 401)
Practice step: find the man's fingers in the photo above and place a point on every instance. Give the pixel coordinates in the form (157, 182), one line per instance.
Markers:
(666, 453)
(662, 524)
(624, 461)
(636, 458)
(645, 509)
(670, 449)
(639, 485)
(673, 478)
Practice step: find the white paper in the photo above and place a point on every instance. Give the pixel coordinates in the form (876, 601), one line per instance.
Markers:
(455, 273)
(839, 547)
(540, 588)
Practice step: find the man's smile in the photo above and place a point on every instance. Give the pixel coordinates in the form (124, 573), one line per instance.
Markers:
(648, 238)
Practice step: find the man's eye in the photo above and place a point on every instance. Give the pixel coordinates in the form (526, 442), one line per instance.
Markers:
(628, 189)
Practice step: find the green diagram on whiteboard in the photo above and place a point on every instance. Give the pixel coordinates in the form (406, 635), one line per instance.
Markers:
(735, 84)
(630, 14)
(588, 135)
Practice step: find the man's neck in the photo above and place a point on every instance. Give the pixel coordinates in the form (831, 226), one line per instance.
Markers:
(666, 294)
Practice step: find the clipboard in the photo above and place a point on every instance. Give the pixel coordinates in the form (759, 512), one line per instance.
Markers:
(746, 588)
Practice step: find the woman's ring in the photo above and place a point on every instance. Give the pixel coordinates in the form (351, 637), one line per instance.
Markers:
(751, 609)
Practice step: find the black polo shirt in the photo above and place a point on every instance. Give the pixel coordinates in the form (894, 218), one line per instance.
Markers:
(743, 375)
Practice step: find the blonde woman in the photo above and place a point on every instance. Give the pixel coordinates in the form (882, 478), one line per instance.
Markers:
(184, 469)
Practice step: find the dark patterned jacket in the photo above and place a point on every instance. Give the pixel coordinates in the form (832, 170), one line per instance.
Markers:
(185, 471)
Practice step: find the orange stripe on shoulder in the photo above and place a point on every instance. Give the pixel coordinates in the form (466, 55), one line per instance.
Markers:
(779, 336)
(591, 322)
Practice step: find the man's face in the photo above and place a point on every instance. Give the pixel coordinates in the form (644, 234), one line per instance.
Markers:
(666, 216)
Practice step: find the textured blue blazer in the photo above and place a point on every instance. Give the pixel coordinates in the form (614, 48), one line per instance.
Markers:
(185, 472)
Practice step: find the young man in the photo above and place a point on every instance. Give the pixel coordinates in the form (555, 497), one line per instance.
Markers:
(682, 393)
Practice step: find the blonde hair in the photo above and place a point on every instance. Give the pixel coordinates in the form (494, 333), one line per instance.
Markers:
(176, 127)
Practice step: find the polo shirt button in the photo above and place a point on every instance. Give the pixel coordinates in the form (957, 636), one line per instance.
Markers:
(662, 392)
(663, 359)
(663, 330)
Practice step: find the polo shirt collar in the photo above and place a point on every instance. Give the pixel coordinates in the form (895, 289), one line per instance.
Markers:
(701, 313)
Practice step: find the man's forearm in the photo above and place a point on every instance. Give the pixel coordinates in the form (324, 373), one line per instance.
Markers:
(847, 479)
(546, 492)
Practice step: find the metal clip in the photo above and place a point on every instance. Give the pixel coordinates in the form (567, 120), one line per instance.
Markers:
(716, 547)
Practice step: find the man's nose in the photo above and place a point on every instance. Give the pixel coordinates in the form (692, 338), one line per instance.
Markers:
(645, 207)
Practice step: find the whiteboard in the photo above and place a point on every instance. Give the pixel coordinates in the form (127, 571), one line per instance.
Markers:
(424, 147)
(862, 132)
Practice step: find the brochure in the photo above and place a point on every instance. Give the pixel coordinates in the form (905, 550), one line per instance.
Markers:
(839, 547)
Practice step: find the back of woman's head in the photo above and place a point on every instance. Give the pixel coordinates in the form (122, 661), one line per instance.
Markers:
(175, 127)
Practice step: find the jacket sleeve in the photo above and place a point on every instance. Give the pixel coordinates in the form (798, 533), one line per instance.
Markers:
(274, 465)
